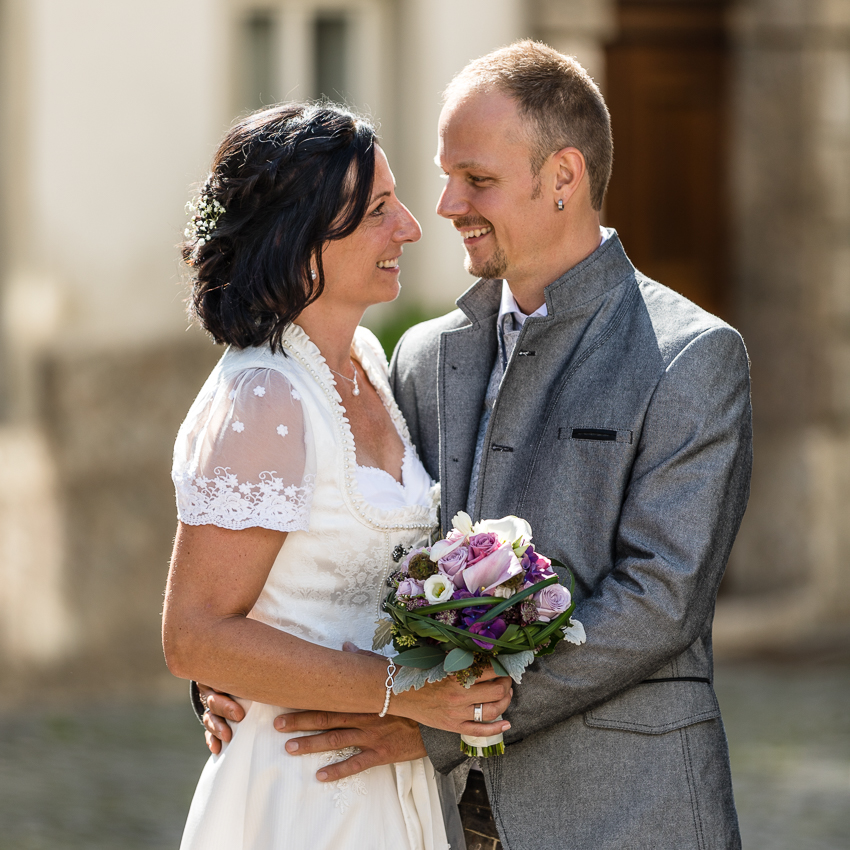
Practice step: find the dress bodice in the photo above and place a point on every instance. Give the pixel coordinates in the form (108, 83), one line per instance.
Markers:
(267, 443)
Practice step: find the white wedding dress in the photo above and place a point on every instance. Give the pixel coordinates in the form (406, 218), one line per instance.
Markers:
(266, 443)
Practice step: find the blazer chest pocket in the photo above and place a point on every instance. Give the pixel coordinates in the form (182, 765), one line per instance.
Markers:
(656, 707)
(595, 435)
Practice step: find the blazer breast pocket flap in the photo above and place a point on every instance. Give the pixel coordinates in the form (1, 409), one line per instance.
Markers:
(595, 435)
(656, 707)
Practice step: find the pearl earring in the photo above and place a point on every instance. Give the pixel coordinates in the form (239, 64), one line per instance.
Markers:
(313, 274)
(560, 204)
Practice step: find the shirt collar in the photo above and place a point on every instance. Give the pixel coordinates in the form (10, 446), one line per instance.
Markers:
(509, 305)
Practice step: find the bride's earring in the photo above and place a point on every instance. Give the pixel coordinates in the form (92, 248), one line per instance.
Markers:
(313, 274)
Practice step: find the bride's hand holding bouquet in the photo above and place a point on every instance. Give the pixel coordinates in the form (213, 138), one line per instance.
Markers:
(478, 604)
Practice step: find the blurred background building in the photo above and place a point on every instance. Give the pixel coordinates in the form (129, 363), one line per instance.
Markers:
(731, 184)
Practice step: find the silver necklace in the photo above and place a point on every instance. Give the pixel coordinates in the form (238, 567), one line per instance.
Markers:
(356, 390)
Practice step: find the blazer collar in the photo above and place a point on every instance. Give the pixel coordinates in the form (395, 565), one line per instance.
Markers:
(606, 267)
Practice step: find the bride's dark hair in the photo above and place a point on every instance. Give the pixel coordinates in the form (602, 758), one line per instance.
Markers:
(289, 178)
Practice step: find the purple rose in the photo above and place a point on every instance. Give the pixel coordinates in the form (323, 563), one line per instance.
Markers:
(452, 565)
(492, 570)
(551, 601)
(410, 587)
(481, 545)
(494, 629)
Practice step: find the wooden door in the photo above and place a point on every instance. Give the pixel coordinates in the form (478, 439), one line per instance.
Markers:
(666, 88)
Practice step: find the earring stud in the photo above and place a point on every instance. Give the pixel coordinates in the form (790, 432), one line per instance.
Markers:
(313, 274)
(560, 204)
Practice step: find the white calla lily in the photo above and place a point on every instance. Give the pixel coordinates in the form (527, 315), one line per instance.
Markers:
(509, 528)
(462, 521)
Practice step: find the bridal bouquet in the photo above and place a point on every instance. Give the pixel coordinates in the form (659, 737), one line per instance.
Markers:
(482, 595)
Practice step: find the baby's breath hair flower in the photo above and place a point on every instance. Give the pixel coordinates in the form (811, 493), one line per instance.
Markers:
(204, 213)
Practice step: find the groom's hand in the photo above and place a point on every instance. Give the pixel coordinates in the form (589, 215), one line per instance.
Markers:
(220, 708)
(382, 740)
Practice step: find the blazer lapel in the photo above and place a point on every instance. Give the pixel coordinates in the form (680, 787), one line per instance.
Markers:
(465, 363)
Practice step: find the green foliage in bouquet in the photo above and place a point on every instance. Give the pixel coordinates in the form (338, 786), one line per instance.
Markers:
(420, 640)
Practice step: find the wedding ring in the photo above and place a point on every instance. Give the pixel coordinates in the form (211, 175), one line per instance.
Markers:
(478, 715)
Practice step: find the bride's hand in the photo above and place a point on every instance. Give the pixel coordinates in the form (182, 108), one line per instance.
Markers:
(451, 706)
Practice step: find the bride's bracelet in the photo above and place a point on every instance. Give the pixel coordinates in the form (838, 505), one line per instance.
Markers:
(391, 668)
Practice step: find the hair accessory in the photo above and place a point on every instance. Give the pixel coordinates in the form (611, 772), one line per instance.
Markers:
(391, 668)
(356, 390)
(478, 714)
(560, 204)
(204, 212)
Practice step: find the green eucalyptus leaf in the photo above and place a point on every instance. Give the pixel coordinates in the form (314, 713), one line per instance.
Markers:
(458, 659)
(498, 669)
(423, 657)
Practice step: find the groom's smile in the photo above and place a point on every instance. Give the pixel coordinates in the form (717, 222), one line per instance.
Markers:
(491, 196)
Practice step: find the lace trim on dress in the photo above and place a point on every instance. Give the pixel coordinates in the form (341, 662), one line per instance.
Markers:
(228, 503)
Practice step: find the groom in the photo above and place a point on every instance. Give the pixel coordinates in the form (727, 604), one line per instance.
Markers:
(614, 416)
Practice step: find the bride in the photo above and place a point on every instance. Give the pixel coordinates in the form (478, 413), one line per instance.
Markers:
(296, 481)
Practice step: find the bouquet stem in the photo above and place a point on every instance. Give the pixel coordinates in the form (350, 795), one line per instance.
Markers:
(483, 747)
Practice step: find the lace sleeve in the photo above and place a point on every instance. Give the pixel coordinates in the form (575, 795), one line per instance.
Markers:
(244, 455)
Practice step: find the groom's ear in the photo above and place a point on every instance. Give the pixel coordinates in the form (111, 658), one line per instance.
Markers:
(568, 171)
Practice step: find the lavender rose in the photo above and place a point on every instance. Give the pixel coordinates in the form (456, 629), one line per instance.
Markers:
(443, 547)
(411, 587)
(552, 601)
(453, 563)
(481, 545)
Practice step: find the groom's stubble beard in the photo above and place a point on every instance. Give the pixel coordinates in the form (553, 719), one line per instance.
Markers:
(493, 268)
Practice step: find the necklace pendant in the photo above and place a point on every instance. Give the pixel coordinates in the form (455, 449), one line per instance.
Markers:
(356, 390)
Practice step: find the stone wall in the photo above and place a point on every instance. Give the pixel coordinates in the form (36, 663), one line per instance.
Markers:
(105, 429)
(787, 584)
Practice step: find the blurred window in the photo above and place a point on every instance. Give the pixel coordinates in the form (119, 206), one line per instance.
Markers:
(305, 49)
(259, 60)
(331, 44)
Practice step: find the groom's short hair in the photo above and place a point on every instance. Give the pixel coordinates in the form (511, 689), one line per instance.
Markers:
(563, 104)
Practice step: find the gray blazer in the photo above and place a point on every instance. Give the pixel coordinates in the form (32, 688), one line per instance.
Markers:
(622, 433)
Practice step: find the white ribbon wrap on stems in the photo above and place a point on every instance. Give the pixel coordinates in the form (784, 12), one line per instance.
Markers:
(477, 745)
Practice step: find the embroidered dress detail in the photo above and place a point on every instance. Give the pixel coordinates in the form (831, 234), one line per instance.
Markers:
(220, 472)
(342, 787)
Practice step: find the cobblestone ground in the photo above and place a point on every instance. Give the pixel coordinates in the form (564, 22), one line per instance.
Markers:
(120, 776)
